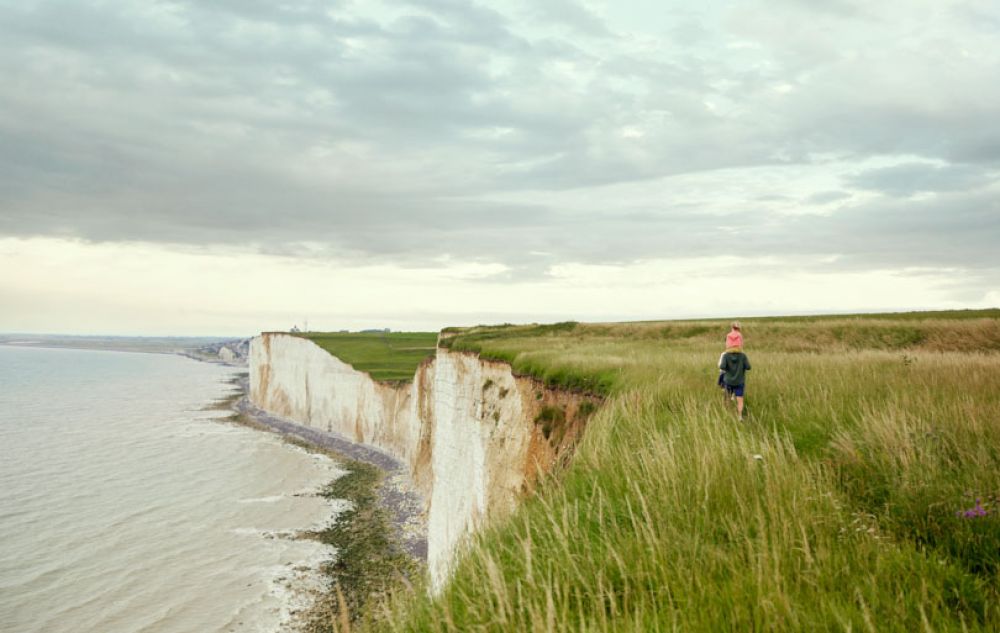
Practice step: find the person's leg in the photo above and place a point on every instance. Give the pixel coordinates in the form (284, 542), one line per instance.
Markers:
(738, 396)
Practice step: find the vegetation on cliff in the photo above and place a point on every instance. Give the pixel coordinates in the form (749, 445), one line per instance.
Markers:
(370, 564)
(862, 492)
(385, 356)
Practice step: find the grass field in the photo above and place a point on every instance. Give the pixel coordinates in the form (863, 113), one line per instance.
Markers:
(389, 356)
(861, 493)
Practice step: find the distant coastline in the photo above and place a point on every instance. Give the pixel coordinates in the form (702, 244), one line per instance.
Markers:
(204, 348)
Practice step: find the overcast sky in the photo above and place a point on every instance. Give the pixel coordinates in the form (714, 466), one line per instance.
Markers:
(230, 166)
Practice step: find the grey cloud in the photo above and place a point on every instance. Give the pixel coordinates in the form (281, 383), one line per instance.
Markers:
(843, 8)
(301, 12)
(277, 123)
(982, 149)
(473, 21)
(895, 129)
(573, 14)
(856, 86)
(948, 230)
(826, 197)
(956, 229)
(910, 178)
(982, 17)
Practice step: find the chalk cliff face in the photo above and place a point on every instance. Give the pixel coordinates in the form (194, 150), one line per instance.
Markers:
(475, 436)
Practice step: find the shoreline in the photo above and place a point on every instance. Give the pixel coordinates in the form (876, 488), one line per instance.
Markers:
(380, 540)
(395, 493)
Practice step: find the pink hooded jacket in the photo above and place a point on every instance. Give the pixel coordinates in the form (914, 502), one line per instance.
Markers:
(734, 339)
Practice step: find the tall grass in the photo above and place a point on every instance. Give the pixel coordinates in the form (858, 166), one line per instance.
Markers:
(845, 502)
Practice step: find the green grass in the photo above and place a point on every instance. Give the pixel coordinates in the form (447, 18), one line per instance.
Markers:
(390, 357)
(915, 315)
(835, 507)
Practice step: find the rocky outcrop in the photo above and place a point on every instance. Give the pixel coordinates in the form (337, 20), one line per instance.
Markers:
(475, 436)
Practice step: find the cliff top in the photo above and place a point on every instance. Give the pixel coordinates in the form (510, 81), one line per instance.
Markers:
(385, 356)
(866, 469)
(598, 357)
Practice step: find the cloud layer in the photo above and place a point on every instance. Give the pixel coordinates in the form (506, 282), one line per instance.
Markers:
(526, 134)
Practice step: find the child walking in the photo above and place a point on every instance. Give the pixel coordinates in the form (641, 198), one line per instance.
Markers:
(734, 343)
(735, 365)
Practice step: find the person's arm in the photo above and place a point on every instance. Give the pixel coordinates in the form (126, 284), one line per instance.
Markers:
(721, 357)
(746, 362)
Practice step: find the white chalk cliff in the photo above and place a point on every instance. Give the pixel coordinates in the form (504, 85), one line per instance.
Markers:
(475, 436)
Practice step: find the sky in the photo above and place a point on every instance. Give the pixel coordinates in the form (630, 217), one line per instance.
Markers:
(223, 167)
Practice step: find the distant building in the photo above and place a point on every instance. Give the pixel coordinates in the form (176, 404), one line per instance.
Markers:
(295, 329)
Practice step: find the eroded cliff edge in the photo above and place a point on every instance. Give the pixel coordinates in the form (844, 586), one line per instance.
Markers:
(476, 437)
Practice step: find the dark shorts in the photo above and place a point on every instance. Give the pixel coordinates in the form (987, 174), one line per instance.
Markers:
(735, 390)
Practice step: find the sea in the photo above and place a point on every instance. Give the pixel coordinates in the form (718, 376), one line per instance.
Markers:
(126, 506)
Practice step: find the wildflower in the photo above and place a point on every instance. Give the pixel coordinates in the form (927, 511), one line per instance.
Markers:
(977, 511)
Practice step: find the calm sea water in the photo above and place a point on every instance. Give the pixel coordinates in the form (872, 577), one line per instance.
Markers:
(124, 507)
